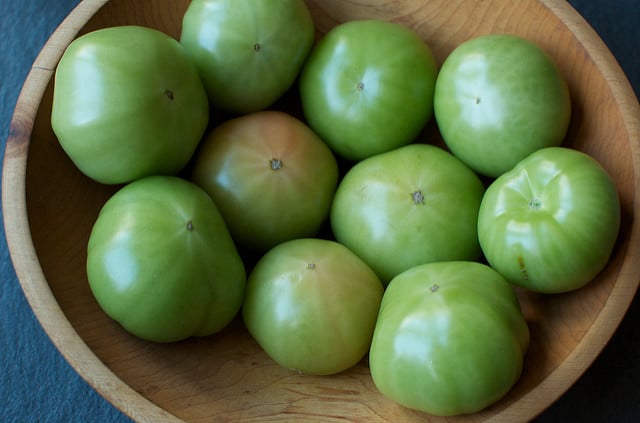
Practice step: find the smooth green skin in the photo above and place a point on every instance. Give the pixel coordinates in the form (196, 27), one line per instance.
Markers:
(312, 306)
(160, 261)
(449, 339)
(128, 103)
(266, 202)
(498, 98)
(248, 52)
(378, 215)
(550, 224)
(367, 87)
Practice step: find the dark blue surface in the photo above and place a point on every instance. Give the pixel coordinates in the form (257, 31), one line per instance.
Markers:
(38, 385)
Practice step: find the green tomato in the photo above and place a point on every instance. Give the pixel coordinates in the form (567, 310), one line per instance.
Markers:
(248, 52)
(450, 338)
(367, 87)
(160, 261)
(498, 98)
(271, 176)
(128, 103)
(550, 224)
(312, 305)
(413, 205)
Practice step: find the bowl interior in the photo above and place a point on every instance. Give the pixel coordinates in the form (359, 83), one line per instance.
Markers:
(227, 376)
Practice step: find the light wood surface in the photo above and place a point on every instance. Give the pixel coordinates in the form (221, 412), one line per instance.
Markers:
(49, 208)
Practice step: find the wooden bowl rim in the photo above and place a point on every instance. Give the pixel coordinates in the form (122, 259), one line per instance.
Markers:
(84, 361)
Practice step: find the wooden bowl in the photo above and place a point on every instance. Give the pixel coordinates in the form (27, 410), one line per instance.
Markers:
(49, 208)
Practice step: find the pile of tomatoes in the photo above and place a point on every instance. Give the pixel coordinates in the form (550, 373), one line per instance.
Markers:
(287, 177)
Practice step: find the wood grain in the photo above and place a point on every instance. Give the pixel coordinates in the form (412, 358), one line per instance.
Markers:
(49, 208)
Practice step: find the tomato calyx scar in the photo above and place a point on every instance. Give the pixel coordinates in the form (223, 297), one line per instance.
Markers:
(276, 164)
(190, 226)
(535, 204)
(311, 266)
(434, 288)
(417, 197)
(169, 93)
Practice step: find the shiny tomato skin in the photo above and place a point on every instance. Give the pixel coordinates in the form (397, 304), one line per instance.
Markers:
(499, 98)
(248, 52)
(550, 224)
(367, 87)
(271, 176)
(312, 305)
(128, 103)
(161, 262)
(409, 206)
(450, 338)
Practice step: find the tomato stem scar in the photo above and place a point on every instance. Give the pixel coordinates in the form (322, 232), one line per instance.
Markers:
(535, 204)
(276, 164)
(417, 197)
(189, 226)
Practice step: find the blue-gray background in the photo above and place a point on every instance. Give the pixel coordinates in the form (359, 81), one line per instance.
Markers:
(38, 385)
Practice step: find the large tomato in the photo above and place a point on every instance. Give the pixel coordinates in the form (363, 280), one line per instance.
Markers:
(413, 205)
(367, 87)
(450, 338)
(128, 103)
(248, 52)
(550, 223)
(498, 98)
(312, 305)
(160, 261)
(271, 176)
